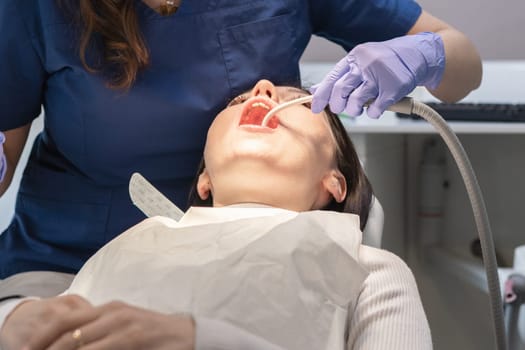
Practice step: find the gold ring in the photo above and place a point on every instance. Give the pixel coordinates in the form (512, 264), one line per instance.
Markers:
(77, 337)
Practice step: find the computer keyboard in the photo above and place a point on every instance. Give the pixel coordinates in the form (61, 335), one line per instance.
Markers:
(478, 112)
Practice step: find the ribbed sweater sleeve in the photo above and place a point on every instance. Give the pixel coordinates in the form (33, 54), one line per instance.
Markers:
(388, 313)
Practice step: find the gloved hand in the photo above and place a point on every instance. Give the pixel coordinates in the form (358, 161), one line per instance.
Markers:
(3, 162)
(385, 71)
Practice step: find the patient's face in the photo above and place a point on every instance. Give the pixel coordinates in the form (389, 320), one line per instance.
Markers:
(289, 159)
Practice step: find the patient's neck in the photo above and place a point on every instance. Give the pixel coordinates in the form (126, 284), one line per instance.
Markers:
(263, 198)
(253, 181)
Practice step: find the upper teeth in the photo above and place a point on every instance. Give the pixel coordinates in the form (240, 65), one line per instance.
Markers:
(260, 104)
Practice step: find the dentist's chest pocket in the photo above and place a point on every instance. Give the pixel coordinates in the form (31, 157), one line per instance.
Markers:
(263, 49)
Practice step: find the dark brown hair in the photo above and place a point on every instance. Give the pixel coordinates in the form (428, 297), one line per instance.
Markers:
(111, 27)
(359, 193)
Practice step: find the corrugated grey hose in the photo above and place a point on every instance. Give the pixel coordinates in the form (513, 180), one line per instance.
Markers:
(410, 106)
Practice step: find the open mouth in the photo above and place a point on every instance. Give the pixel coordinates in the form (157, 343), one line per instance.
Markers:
(255, 110)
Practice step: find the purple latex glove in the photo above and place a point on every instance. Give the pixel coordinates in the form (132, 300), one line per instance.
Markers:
(385, 71)
(3, 162)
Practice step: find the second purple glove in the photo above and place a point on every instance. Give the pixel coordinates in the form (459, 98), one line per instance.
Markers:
(3, 162)
(385, 71)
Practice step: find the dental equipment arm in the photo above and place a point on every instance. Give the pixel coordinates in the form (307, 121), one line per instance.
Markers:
(409, 106)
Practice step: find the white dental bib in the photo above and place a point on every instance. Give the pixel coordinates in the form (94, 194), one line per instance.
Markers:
(288, 277)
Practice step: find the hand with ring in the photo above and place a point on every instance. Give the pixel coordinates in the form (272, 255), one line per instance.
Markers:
(77, 337)
(117, 325)
(36, 324)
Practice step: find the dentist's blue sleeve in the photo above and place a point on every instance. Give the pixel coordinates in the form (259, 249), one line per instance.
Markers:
(352, 22)
(21, 73)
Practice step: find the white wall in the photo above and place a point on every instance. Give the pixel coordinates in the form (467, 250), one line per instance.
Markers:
(495, 27)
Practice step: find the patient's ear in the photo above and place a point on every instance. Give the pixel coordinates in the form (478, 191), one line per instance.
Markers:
(204, 185)
(335, 184)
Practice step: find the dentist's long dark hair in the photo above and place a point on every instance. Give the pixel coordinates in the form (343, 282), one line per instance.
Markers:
(109, 29)
(359, 192)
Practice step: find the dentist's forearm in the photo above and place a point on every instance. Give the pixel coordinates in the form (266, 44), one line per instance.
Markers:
(463, 69)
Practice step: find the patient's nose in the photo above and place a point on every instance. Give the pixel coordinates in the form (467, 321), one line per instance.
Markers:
(265, 88)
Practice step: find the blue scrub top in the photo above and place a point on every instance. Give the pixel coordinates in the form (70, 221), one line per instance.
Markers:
(73, 197)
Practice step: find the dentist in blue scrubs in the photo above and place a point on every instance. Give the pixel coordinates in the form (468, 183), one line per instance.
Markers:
(133, 85)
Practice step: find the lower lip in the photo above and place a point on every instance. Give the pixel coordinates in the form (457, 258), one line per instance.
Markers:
(256, 128)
